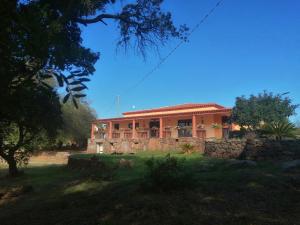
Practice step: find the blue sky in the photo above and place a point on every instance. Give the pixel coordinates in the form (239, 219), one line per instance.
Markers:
(245, 47)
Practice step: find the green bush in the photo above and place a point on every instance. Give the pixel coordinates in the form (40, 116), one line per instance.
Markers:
(166, 174)
(279, 130)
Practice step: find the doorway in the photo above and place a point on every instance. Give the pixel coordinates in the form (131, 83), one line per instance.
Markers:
(185, 128)
(154, 128)
(100, 148)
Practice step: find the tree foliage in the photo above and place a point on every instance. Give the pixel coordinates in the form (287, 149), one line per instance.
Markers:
(76, 124)
(26, 116)
(250, 113)
(42, 38)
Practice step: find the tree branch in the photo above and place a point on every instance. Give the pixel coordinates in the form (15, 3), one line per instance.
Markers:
(98, 19)
(11, 151)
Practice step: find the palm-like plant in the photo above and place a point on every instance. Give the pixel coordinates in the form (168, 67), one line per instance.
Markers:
(187, 148)
(280, 129)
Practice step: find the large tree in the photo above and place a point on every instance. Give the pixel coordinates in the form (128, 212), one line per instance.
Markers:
(40, 39)
(250, 113)
(28, 112)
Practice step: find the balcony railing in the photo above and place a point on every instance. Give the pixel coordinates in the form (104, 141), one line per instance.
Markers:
(116, 135)
(127, 135)
(142, 134)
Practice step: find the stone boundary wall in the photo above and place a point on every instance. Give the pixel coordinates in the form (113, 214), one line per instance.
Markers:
(253, 149)
(152, 144)
(227, 149)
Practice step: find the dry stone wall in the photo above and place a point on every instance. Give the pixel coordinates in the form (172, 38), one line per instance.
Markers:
(227, 149)
(271, 150)
(253, 149)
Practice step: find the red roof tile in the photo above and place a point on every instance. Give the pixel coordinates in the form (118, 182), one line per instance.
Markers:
(216, 111)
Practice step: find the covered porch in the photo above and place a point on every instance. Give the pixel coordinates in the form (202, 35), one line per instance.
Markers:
(196, 125)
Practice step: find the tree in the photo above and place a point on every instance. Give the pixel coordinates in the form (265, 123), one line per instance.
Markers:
(76, 125)
(25, 121)
(41, 39)
(266, 107)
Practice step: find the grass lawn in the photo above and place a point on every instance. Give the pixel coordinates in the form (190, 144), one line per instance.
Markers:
(222, 195)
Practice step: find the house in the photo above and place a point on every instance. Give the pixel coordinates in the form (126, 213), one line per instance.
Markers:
(160, 128)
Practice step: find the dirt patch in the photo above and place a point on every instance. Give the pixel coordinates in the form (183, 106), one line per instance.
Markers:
(51, 157)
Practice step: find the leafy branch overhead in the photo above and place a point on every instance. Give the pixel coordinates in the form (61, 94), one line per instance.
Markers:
(43, 37)
(144, 22)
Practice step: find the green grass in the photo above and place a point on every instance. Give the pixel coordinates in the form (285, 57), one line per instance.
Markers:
(223, 195)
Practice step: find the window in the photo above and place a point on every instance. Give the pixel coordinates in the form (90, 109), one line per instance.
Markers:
(136, 125)
(116, 126)
(184, 123)
(185, 128)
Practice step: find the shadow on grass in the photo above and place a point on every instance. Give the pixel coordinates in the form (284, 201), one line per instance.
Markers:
(222, 196)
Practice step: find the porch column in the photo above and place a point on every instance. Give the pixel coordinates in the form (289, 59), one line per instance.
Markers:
(194, 124)
(161, 124)
(110, 130)
(133, 129)
(92, 133)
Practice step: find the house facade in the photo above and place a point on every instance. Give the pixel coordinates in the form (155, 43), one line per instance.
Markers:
(161, 128)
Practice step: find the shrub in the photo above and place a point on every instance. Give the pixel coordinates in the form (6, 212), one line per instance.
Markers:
(187, 148)
(279, 130)
(166, 174)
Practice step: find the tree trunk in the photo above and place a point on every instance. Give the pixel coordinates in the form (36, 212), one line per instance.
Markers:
(12, 167)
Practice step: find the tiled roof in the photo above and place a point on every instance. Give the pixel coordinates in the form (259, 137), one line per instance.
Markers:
(177, 107)
(215, 111)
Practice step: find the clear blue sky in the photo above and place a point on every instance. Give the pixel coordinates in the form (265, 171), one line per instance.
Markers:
(245, 47)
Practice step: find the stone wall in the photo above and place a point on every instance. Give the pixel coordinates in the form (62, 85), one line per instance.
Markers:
(254, 149)
(226, 149)
(271, 150)
(152, 144)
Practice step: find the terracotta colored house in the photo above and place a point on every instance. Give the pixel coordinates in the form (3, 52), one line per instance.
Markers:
(165, 127)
